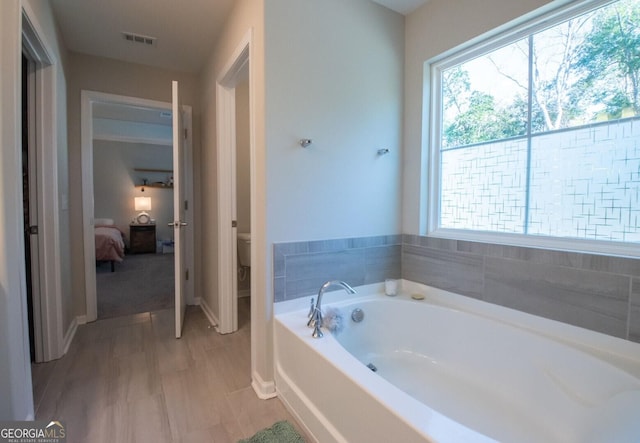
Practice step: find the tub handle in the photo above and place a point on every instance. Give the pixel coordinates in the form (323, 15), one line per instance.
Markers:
(311, 309)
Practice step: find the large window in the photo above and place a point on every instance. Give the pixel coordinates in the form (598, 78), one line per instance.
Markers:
(538, 133)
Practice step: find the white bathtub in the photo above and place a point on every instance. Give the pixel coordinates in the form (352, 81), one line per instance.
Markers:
(453, 369)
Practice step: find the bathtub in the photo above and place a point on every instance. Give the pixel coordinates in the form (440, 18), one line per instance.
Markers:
(453, 369)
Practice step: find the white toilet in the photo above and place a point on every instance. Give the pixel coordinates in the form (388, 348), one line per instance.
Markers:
(244, 249)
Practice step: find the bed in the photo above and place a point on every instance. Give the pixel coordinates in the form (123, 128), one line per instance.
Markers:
(109, 242)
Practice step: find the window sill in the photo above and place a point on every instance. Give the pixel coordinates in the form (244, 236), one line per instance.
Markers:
(614, 249)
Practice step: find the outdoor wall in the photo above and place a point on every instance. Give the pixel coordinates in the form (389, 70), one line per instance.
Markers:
(114, 77)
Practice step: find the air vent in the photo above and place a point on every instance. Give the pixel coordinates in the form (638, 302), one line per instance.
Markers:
(138, 38)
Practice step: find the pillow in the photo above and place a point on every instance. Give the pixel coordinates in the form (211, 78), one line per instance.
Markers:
(103, 222)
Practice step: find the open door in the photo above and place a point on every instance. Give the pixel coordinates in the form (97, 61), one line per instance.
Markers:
(179, 202)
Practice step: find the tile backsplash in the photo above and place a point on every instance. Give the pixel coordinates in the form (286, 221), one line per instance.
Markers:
(301, 268)
(596, 292)
(592, 291)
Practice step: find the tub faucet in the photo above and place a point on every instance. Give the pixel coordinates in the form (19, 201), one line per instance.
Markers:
(315, 321)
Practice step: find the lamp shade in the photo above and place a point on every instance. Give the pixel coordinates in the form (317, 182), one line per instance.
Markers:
(142, 203)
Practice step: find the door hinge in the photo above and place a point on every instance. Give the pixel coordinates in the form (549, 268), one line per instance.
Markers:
(234, 223)
(185, 133)
(186, 274)
(33, 230)
(186, 205)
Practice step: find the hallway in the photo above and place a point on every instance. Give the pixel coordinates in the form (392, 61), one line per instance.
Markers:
(127, 379)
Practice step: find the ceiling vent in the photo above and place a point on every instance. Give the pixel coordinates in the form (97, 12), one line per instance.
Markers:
(138, 38)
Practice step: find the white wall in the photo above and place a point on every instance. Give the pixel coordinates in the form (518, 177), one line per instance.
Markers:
(114, 181)
(247, 16)
(334, 75)
(436, 27)
(15, 381)
(15, 371)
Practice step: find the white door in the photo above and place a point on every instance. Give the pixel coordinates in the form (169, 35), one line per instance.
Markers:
(179, 224)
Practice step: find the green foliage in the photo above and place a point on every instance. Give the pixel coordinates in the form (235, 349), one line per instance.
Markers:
(598, 70)
(609, 58)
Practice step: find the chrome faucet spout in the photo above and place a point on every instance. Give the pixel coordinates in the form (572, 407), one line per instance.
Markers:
(315, 320)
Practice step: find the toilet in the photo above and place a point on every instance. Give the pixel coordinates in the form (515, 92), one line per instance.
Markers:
(244, 249)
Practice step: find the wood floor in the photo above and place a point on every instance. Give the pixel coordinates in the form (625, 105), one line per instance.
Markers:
(127, 379)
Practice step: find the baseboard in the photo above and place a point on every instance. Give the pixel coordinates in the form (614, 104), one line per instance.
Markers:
(263, 389)
(208, 313)
(81, 319)
(197, 301)
(70, 334)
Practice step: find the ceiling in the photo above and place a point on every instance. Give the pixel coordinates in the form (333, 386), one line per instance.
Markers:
(116, 111)
(184, 30)
(404, 7)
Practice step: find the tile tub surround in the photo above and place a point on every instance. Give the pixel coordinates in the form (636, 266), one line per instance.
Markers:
(596, 292)
(300, 268)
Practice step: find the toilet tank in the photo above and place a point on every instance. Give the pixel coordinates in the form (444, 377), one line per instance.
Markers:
(244, 248)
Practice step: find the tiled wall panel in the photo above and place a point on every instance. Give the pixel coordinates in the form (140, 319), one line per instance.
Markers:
(596, 292)
(634, 314)
(453, 271)
(301, 268)
(590, 299)
(592, 291)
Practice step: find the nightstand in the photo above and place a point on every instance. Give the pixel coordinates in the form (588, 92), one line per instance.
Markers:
(142, 238)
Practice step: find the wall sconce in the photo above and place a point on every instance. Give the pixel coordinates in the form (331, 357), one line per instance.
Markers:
(142, 204)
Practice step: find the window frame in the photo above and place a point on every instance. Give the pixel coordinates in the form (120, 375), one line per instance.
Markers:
(432, 118)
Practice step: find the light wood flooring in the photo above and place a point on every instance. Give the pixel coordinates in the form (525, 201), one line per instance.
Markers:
(127, 379)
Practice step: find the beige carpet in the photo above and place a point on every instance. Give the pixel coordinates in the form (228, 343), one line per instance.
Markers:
(141, 283)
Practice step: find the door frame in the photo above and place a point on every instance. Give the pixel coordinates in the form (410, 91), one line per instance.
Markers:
(88, 99)
(226, 159)
(50, 341)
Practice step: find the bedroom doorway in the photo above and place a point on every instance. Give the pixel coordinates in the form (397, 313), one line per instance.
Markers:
(134, 258)
(143, 176)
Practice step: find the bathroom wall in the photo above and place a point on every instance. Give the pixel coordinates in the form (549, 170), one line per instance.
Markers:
(246, 18)
(334, 75)
(300, 268)
(591, 291)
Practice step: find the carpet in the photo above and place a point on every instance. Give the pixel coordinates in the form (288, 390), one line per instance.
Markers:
(281, 432)
(141, 283)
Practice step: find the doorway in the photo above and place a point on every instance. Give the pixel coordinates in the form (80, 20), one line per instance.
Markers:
(243, 191)
(30, 229)
(91, 101)
(42, 199)
(132, 175)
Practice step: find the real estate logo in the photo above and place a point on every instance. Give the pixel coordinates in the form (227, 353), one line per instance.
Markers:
(32, 432)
